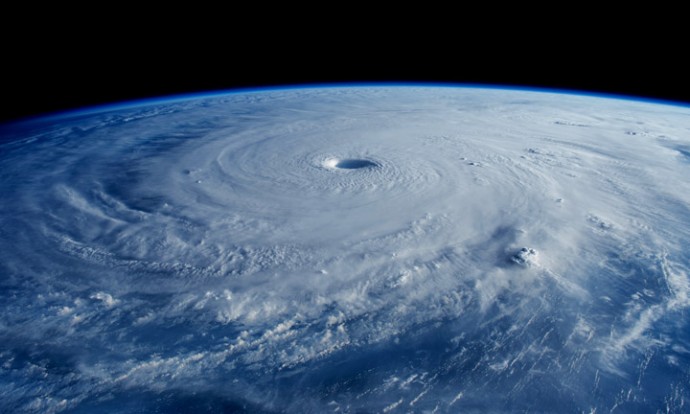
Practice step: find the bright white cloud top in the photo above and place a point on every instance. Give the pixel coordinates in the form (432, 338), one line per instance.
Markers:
(363, 249)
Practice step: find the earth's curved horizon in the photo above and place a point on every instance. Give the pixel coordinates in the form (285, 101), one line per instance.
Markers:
(101, 105)
(376, 248)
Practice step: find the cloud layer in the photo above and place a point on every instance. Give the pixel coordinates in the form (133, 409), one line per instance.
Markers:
(390, 249)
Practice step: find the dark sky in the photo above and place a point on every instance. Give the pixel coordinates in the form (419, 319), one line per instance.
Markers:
(103, 82)
(62, 71)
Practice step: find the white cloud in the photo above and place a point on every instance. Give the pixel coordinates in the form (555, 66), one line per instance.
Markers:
(106, 298)
(205, 240)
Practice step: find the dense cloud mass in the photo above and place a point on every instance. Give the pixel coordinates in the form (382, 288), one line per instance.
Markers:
(362, 249)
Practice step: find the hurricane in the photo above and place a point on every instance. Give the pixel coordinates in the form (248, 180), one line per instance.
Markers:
(360, 249)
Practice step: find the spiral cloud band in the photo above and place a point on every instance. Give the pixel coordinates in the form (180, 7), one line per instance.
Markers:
(359, 249)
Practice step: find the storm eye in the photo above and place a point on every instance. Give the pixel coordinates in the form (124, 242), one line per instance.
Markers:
(350, 163)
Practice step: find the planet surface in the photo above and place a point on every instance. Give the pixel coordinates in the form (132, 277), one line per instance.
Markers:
(363, 249)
